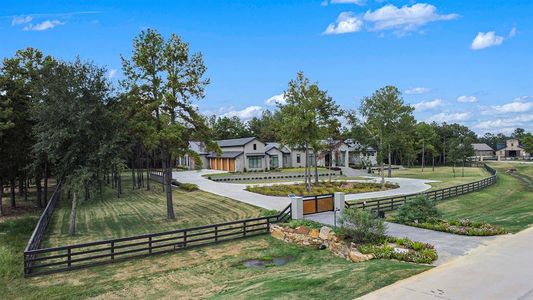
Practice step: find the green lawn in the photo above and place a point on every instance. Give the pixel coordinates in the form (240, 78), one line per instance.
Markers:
(443, 174)
(140, 211)
(212, 272)
(508, 203)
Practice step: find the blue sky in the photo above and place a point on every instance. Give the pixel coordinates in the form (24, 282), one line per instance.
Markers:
(457, 61)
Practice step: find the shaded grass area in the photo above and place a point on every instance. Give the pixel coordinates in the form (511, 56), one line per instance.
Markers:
(213, 272)
(444, 175)
(508, 203)
(139, 211)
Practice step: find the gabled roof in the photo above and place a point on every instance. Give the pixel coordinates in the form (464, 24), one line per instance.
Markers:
(482, 147)
(235, 142)
(272, 145)
(227, 154)
(197, 147)
(356, 146)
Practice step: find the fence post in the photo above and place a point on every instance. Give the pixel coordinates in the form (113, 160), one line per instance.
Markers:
(339, 202)
(244, 228)
(149, 245)
(69, 257)
(185, 239)
(112, 250)
(216, 234)
(297, 207)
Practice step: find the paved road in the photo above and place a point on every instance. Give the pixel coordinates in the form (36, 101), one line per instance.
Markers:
(503, 269)
(449, 246)
(236, 191)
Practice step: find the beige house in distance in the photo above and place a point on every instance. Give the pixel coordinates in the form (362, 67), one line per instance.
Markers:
(510, 150)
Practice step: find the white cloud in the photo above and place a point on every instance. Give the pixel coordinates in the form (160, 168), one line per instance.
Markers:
(485, 40)
(112, 73)
(405, 19)
(276, 99)
(517, 106)
(449, 117)
(512, 33)
(425, 105)
(417, 91)
(467, 99)
(17, 20)
(524, 120)
(346, 22)
(45, 25)
(246, 113)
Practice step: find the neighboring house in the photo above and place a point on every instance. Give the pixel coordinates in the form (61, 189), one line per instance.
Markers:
(482, 150)
(511, 149)
(188, 162)
(239, 155)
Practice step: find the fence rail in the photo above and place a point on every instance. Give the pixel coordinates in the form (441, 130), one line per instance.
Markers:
(64, 258)
(392, 203)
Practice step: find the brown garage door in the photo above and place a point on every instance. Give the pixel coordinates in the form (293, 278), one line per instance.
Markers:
(232, 165)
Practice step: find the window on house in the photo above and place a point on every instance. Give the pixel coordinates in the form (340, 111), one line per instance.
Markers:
(274, 163)
(255, 162)
(255, 146)
(298, 158)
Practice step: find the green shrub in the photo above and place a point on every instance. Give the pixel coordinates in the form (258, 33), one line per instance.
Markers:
(418, 210)
(189, 187)
(268, 212)
(359, 226)
(306, 223)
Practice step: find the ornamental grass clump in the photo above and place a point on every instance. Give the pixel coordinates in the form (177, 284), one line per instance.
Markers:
(360, 226)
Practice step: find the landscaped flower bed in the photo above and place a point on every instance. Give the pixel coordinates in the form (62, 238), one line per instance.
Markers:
(324, 187)
(462, 227)
(308, 233)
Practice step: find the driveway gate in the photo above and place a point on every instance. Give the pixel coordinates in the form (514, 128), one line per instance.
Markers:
(318, 204)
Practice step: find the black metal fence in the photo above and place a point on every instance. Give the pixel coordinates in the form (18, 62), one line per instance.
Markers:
(392, 203)
(58, 259)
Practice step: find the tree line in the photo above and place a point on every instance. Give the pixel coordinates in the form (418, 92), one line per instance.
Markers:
(66, 121)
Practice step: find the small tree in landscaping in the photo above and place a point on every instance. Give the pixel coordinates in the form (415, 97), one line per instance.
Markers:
(420, 210)
(360, 226)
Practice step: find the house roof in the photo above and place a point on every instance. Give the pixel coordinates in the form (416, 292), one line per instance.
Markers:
(235, 142)
(227, 154)
(482, 147)
(356, 146)
(197, 147)
(272, 145)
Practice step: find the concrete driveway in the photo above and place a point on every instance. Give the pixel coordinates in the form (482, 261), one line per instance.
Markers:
(503, 269)
(237, 190)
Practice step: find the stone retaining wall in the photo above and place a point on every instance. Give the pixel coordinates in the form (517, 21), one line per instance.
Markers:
(323, 238)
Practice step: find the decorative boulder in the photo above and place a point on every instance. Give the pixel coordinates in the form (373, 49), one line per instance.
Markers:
(324, 232)
(355, 256)
(314, 233)
(302, 230)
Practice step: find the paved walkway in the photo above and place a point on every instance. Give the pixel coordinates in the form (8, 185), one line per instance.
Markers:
(237, 190)
(503, 269)
(449, 246)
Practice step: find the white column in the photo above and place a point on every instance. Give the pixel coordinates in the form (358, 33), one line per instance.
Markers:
(346, 158)
(297, 207)
(339, 203)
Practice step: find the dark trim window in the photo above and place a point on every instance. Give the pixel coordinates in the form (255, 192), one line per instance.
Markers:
(255, 162)
(255, 146)
(298, 158)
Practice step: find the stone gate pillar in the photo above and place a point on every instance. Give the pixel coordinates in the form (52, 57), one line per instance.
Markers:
(297, 207)
(338, 202)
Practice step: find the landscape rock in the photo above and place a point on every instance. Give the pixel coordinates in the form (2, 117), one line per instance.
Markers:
(324, 232)
(314, 233)
(356, 256)
(302, 230)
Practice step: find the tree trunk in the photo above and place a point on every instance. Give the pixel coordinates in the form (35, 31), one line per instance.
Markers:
(119, 184)
(389, 173)
(13, 194)
(433, 166)
(423, 155)
(444, 153)
(463, 169)
(167, 182)
(45, 190)
(316, 168)
(133, 173)
(307, 171)
(72, 221)
(39, 191)
(1, 197)
(147, 174)
(26, 187)
(453, 168)
(21, 186)
(330, 163)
